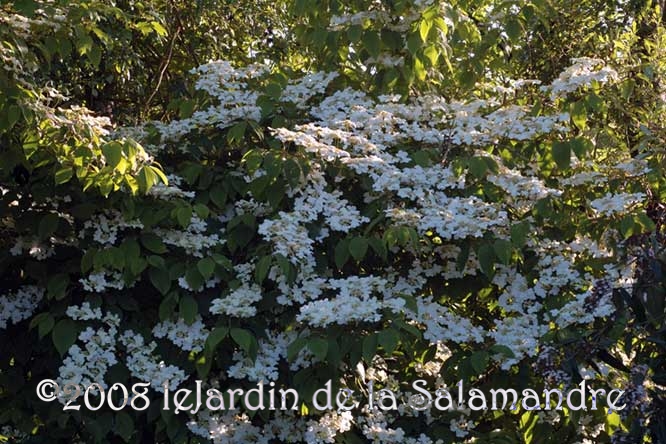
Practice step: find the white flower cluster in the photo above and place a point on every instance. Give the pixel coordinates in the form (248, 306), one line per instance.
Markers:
(612, 204)
(583, 72)
(327, 427)
(194, 239)
(354, 302)
(98, 282)
(301, 90)
(239, 302)
(106, 226)
(20, 304)
(187, 337)
(34, 247)
(88, 363)
(172, 190)
(265, 366)
(144, 366)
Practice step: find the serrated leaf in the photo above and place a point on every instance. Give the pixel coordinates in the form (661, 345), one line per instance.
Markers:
(63, 175)
(113, 153)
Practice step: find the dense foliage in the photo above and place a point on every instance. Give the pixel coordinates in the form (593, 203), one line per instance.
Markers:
(348, 191)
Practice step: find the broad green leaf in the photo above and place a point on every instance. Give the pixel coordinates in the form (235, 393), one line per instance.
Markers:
(388, 339)
(562, 154)
(216, 336)
(64, 335)
(206, 267)
(188, 308)
(358, 246)
(153, 243)
(503, 250)
(372, 42)
(318, 347)
(160, 279)
(48, 225)
(242, 337)
(479, 361)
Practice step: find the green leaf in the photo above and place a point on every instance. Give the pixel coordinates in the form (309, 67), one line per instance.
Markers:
(424, 29)
(341, 253)
(579, 114)
(318, 347)
(262, 268)
(372, 42)
(44, 323)
(159, 29)
(113, 153)
(295, 348)
(479, 361)
(487, 260)
(562, 154)
(414, 43)
(358, 246)
(48, 225)
(503, 250)
(215, 337)
(167, 308)
(194, 279)
(206, 267)
(519, 233)
(242, 337)
(184, 216)
(124, 426)
(388, 339)
(188, 308)
(153, 243)
(57, 286)
(369, 347)
(63, 175)
(160, 279)
(64, 335)
(478, 167)
(218, 195)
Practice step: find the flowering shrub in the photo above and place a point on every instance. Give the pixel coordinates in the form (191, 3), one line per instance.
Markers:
(304, 227)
